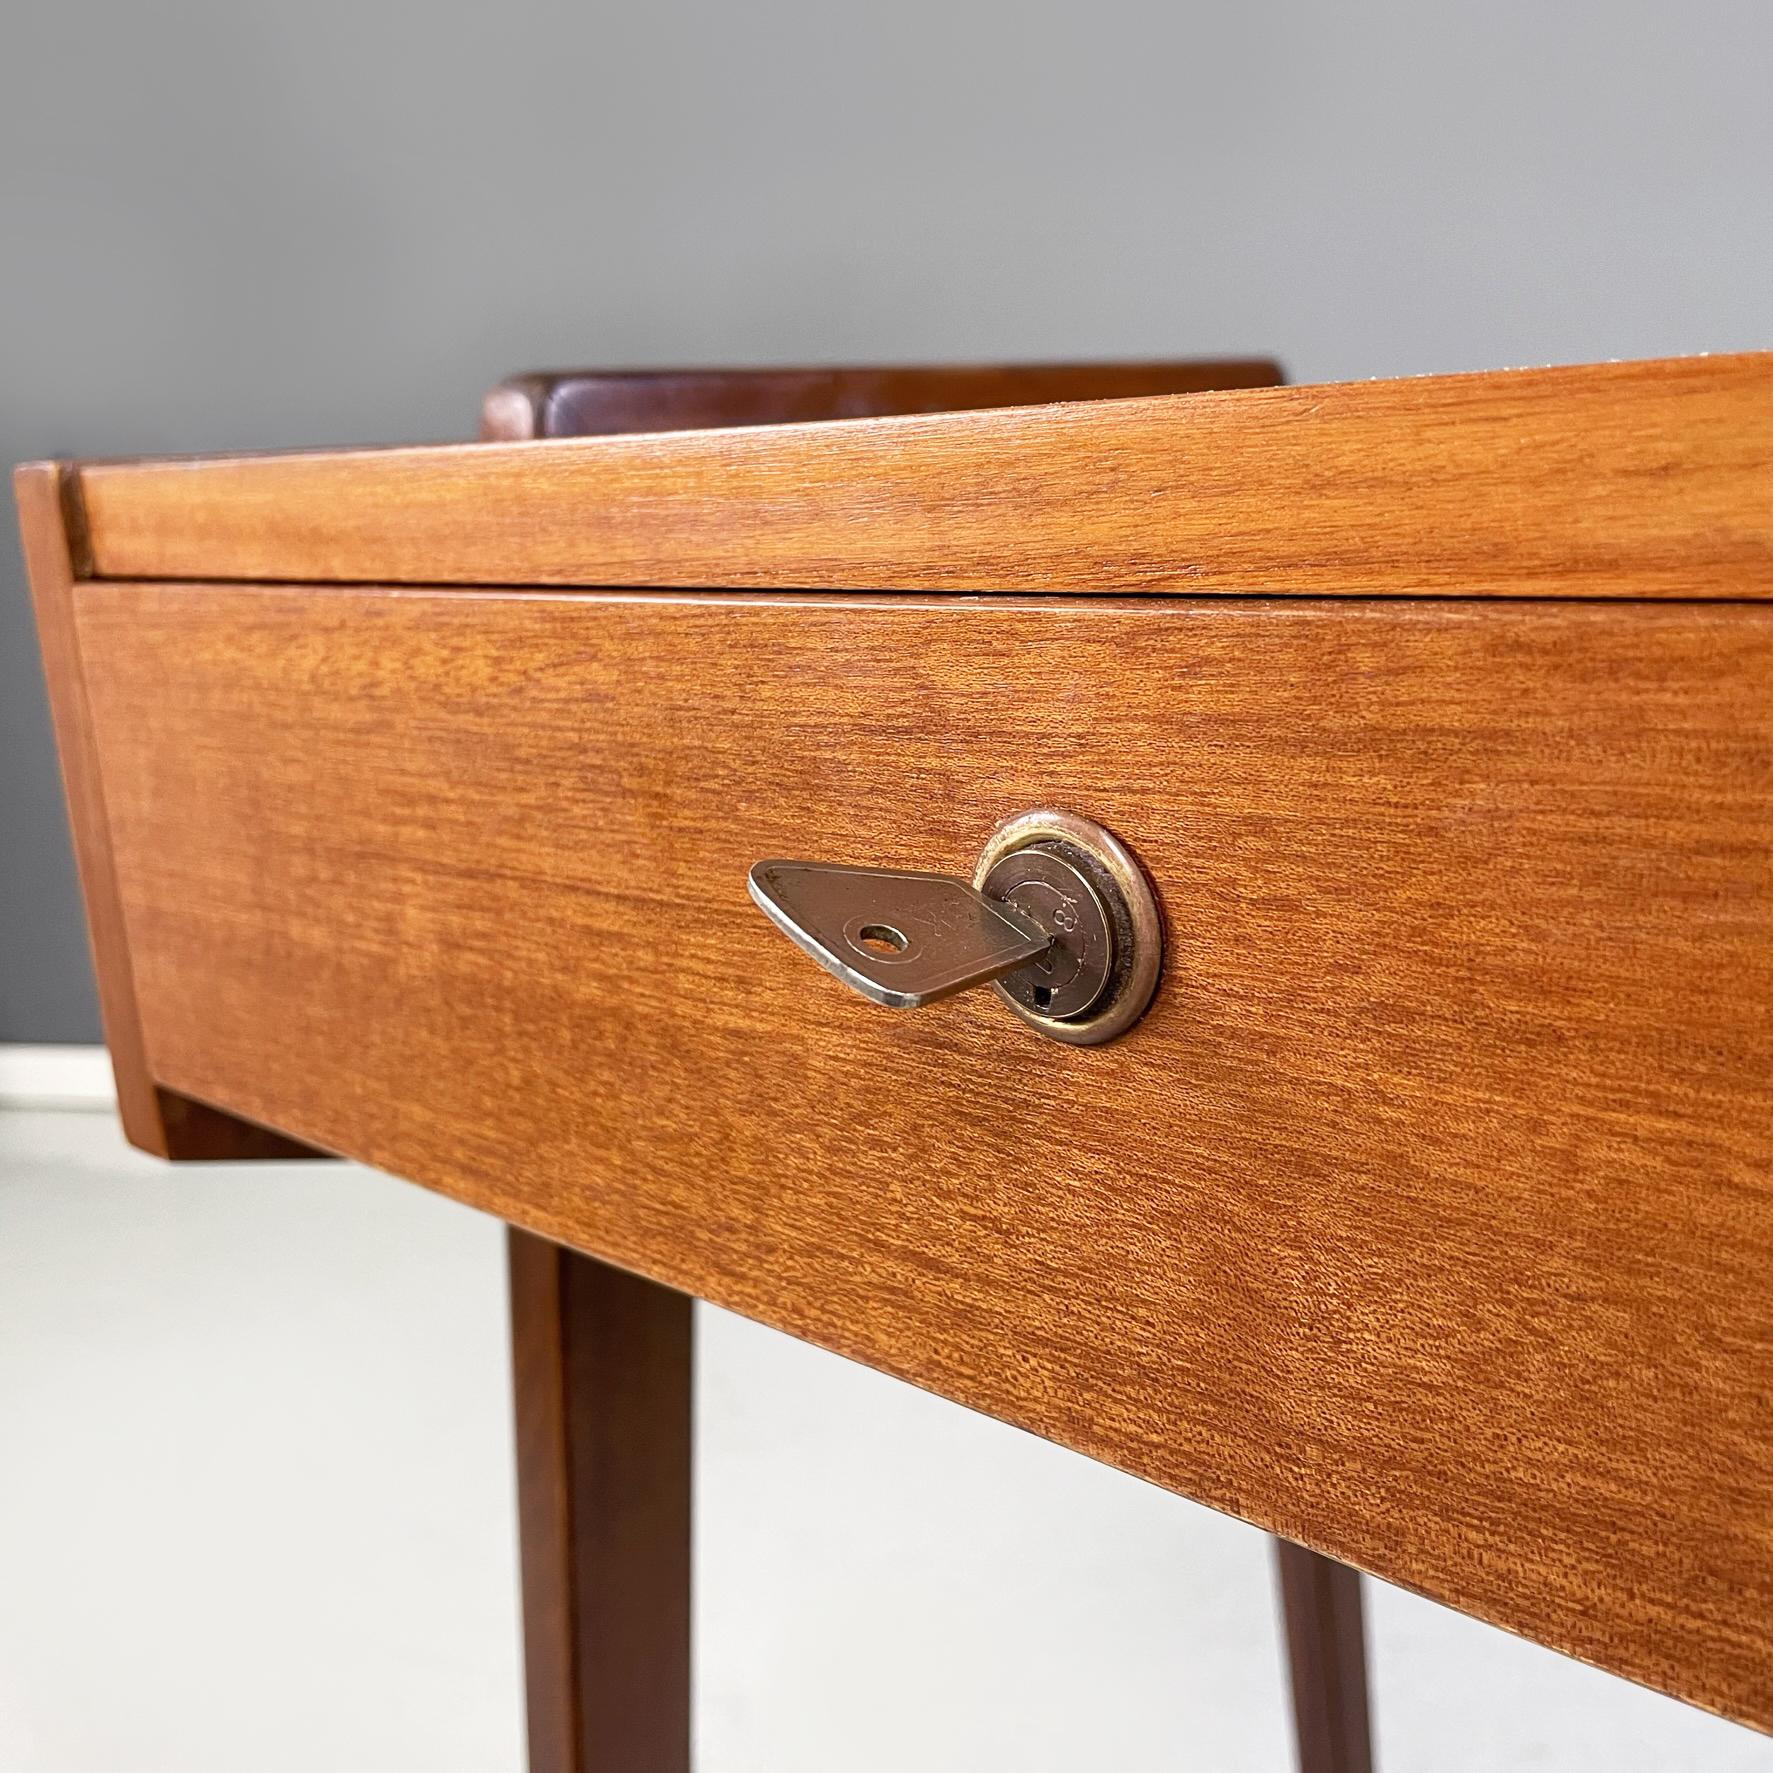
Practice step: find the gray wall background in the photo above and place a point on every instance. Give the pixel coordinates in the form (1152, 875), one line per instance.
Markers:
(236, 224)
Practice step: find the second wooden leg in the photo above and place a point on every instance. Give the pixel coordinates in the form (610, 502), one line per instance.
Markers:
(1326, 1659)
(602, 1369)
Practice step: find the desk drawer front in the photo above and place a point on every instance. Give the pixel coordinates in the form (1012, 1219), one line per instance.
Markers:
(1423, 1219)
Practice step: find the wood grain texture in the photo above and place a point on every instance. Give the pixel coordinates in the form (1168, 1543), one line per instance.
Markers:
(603, 402)
(1326, 1661)
(156, 1119)
(43, 490)
(1638, 480)
(1424, 1220)
(602, 1380)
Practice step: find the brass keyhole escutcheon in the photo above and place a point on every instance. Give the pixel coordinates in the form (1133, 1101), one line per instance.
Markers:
(1080, 884)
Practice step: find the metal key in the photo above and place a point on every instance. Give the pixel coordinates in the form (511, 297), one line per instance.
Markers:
(1058, 919)
(900, 937)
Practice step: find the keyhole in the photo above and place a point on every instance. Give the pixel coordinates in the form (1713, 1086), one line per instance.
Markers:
(1043, 996)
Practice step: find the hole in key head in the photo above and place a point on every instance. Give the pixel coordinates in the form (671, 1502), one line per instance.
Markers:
(1043, 995)
(882, 938)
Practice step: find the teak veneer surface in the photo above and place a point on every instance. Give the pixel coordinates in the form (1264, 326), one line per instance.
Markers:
(1424, 1220)
(50, 544)
(153, 1117)
(1632, 480)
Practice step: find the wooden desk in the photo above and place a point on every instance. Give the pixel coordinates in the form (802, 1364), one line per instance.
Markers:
(1423, 1220)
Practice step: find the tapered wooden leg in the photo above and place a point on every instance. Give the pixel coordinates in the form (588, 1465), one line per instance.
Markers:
(1326, 1659)
(602, 1365)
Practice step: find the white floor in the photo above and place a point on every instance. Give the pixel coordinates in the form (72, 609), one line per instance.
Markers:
(256, 1515)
